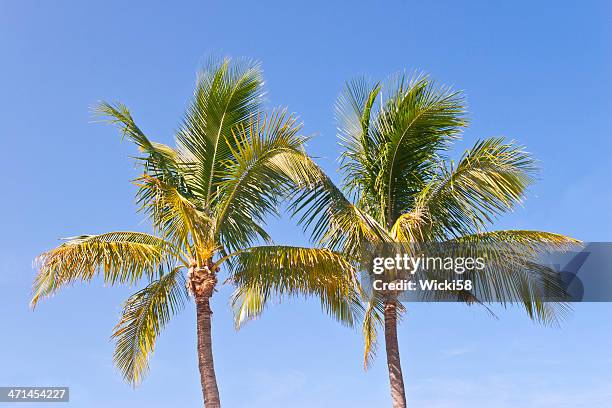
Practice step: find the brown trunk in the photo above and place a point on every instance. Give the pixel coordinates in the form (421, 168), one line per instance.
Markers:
(205, 354)
(396, 380)
(202, 282)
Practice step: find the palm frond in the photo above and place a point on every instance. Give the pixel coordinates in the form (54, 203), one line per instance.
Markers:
(418, 123)
(415, 122)
(228, 93)
(526, 241)
(161, 160)
(267, 161)
(333, 221)
(354, 110)
(490, 179)
(282, 271)
(122, 257)
(248, 302)
(144, 315)
(373, 320)
(411, 227)
(174, 215)
(514, 270)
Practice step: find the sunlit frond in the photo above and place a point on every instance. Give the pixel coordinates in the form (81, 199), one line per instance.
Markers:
(161, 161)
(528, 239)
(173, 214)
(122, 257)
(489, 180)
(416, 124)
(411, 227)
(390, 151)
(228, 93)
(515, 270)
(282, 271)
(144, 315)
(248, 302)
(373, 320)
(354, 110)
(335, 222)
(267, 161)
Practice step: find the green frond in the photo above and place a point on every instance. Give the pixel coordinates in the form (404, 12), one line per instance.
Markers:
(418, 122)
(160, 160)
(354, 110)
(373, 320)
(144, 315)
(390, 151)
(228, 93)
(282, 271)
(411, 227)
(490, 179)
(267, 161)
(173, 214)
(514, 270)
(122, 257)
(335, 222)
(529, 241)
(248, 302)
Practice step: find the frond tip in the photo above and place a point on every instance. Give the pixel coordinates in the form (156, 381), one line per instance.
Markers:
(372, 322)
(279, 271)
(122, 257)
(144, 315)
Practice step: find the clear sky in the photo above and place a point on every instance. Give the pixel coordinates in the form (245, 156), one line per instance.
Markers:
(537, 72)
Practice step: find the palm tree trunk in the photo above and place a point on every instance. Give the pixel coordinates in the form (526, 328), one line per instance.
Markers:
(205, 354)
(396, 380)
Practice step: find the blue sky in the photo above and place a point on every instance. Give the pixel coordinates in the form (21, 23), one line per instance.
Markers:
(535, 72)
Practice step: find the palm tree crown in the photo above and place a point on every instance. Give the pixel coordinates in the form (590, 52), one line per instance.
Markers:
(400, 186)
(207, 199)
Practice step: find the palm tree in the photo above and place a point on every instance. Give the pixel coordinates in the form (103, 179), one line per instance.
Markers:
(207, 199)
(400, 187)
